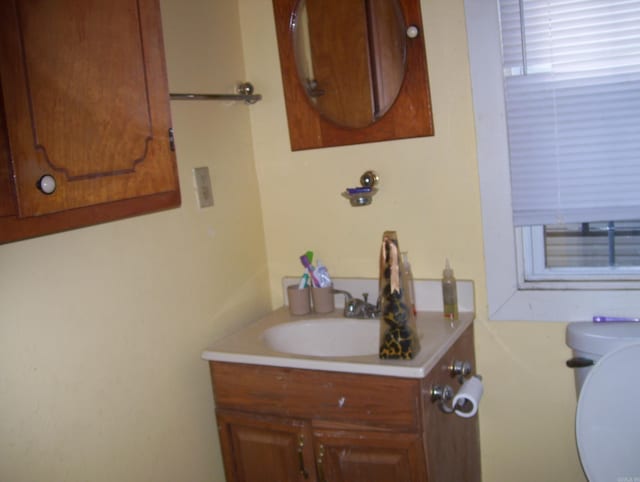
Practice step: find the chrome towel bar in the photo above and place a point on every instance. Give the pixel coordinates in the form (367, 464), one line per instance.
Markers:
(244, 91)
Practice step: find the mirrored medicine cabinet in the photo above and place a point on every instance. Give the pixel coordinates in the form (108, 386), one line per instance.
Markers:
(353, 71)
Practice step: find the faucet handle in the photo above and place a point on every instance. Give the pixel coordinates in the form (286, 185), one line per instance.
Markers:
(370, 310)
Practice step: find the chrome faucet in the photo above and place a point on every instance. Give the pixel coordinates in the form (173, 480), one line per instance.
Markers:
(358, 308)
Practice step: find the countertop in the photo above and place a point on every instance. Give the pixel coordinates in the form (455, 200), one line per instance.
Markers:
(436, 333)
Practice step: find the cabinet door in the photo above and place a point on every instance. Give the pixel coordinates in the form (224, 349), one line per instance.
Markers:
(265, 449)
(453, 443)
(350, 456)
(86, 102)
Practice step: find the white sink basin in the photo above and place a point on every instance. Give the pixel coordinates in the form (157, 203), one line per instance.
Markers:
(324, 337)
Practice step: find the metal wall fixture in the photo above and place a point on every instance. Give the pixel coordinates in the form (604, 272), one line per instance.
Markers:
(244, 91)
(465, 402)
(362, 196)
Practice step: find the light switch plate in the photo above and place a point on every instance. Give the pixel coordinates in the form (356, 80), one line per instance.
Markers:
(202, 182)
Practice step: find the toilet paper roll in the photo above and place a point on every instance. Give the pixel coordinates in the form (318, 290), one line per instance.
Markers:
(466, 401)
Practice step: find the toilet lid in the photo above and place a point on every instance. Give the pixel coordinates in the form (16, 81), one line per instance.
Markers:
(608, 417)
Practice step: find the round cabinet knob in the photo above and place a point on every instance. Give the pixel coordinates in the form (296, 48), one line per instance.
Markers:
(47, 184)
(412, 31)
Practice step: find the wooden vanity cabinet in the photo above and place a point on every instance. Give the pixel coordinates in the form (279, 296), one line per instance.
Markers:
(292, 425)
(84, 101)
(368, 455)
(264, 448)
(267, 449)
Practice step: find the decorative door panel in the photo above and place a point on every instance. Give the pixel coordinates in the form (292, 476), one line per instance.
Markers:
(346, 456)
(82, 103)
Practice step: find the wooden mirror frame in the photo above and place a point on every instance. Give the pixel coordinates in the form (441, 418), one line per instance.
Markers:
(409, 116)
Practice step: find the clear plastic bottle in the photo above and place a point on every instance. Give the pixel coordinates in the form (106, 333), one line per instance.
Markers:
(407, 279)
(449, 293)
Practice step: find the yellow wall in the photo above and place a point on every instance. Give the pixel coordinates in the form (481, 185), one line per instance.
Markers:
(429, 193)
(101, 328)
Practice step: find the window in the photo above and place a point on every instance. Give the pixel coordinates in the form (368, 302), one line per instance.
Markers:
(607, 250)
(570, 154)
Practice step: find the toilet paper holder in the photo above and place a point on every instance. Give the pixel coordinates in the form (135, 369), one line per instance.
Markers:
(462, 404)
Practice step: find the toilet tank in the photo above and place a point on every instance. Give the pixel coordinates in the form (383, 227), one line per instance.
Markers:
(594, 340)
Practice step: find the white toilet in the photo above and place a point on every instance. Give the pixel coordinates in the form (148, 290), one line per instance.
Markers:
(607, 375)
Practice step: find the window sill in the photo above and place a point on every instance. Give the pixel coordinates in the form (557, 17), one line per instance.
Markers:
(564, 306)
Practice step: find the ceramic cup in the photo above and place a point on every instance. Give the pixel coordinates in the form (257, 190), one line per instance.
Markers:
(323, 299)
(299, 300)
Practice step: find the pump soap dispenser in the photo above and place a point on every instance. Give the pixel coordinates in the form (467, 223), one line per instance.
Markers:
(449, 293)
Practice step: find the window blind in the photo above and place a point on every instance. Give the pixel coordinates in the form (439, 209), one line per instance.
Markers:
(572, 92)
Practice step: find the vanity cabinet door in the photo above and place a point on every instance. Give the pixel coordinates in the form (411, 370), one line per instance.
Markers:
(371, 456)
(265, 449)
(453, 443)
(86, 109)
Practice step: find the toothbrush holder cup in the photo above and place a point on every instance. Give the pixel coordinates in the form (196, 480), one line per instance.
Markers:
(299, 300)
(323, 299)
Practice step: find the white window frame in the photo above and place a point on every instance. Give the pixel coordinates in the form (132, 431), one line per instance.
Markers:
(506, 297)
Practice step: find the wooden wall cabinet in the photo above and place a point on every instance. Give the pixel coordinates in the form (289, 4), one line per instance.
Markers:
(292, 425)
(410, 114)
(85, 101)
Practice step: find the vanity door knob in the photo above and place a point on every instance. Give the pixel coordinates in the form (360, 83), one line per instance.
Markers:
(47, 184)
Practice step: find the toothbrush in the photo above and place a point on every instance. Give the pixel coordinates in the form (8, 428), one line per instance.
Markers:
(305, 262)
(607, 319)
(358, 190)
(304, 280)
(309, 255)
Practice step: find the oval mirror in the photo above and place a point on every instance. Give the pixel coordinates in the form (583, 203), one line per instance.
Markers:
(350, 57)
(401, 100)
